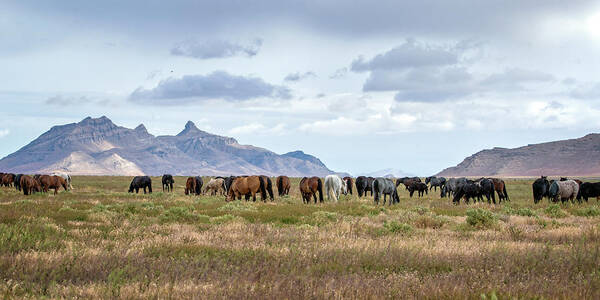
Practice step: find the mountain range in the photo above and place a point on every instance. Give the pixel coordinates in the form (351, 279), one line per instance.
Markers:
(573, 157)
(96, 146)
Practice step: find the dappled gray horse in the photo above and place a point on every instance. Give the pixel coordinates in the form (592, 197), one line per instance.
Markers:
(385, 186)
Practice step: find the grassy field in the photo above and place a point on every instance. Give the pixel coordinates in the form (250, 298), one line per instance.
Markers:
(98, 241)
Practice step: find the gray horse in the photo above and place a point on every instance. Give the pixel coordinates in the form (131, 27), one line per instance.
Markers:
(385, 186)
(435, 182)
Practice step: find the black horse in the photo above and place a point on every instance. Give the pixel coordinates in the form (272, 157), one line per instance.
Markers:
(589, 189)
(199, 183)
(167, 182)
(468, 190)
(18, 182)
(420, 187)
(540, 187)
(369, 187)
(227, 181)
(361, 185)
(486, 189)
(141, 182)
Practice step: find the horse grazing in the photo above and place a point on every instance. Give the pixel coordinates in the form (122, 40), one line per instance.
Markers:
(247, 186)
(167, 182)
(65, 176)
(216, 186)
(8, 179)
(565, 190)
(17, 182)
(268, 186)
(228, 181)
(361, 185)
(52, 182)
(540, 188)
(309, 188)
(487, 189)
(435, 182)
(589, 189)
(467, 190)
(140, 182)
(334, 187)
(420, 187)
(190, 186)
(283, 185)
(385, 187)
(500, 188)
(29, 185)
(349, 183)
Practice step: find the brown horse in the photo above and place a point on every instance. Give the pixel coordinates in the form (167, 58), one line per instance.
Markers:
(52, 182)
(247, 186)
(500, 188)
(8, 179)
(268, 186)
(283, 185)
(309, 187)
(29, 185)
(349, 183)
(190, 186)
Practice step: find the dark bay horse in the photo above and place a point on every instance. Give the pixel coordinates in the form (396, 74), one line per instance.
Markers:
(190, 186)
(29, 185)
(167, 182)
(420, 187)
(349, 183)
(309, 188)
(283, 185)
(541, 188)
(268, 186)
(361, 185)
(500, 188)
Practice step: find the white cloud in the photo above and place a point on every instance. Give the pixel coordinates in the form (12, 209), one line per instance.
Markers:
(4, 132)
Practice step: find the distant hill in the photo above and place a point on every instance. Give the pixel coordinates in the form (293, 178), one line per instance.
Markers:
(390, 173)
(574, 157)
(99, 147)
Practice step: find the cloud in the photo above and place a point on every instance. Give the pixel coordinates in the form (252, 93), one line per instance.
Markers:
(257, 128)
(411, 54)
(216, 85)
(589, 91)
(62, 100)
(4, 132)
(514, 78)
(215, 49)
(339, 73)
(299, 76)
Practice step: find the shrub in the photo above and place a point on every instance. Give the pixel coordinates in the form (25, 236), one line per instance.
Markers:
(322, 217)
(178, 214)
(481, 218)
(591, 211)
(396, 227)
(237, 206)
(428, 221)
(525, 212)
(29, 236)
(554, 211)
(421, 210)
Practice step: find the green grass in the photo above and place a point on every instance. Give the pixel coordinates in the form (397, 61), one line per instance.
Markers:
(98, 241)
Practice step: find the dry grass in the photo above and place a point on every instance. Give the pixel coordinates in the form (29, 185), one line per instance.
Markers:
(100, 242)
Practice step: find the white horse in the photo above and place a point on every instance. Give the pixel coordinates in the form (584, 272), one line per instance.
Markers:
(65, 176)
(335, 186)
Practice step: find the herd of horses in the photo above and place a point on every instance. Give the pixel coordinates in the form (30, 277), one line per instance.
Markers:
(311, 188)
(37, 183)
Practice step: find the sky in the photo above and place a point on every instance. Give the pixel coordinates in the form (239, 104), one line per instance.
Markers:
(410, 85)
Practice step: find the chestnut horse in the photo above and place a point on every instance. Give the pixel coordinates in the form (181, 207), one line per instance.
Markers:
(349, 183)
(247, 186)
(309, 187)
(52, 182)
(500, 188)
(8, 179)
(190, 186)
(283, 185)
(29, 185)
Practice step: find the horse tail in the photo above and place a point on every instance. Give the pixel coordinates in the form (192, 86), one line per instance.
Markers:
(505, 193)
(270, 188)
(320, 189)
(263, 192)
(375, 186)
(279, 183)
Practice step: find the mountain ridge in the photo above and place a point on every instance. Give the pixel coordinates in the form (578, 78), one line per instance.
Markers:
(97, 146)
(570, 157)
